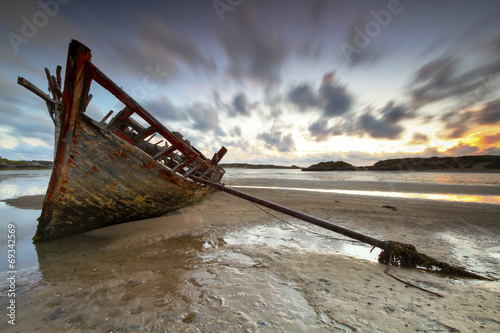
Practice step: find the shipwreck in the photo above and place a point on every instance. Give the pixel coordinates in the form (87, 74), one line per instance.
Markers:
(109, 171)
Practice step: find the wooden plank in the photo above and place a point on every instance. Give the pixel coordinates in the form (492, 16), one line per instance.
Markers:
(34, 89)
(106, 83)
(107, 116)
(76, 88)
(165, 151)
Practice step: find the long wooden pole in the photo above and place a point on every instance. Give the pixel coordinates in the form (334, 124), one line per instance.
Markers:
(301, 216)
(393, 253)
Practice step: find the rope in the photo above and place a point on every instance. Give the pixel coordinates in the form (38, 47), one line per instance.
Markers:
(304, 229)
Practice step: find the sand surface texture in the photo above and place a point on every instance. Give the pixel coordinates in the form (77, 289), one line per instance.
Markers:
(224, 265)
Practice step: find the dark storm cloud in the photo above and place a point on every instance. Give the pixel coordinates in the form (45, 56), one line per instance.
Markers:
(332, 97)
(378, 128)
(240, 105)
(320, 131)
(275, 139)
(336, 100)
(380, 124)
(303, 96)
(444, 78)
(254, 51)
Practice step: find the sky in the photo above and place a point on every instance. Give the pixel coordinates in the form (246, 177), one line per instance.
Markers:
(286, 82)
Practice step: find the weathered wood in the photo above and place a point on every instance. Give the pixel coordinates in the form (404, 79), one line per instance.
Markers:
(58, 74)
(106, 83)
(107, 182)
(165, 151)
(107, 116)
(98, 178)
(74, 92)
(34, 89)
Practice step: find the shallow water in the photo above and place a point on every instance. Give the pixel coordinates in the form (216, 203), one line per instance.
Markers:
(406, 177)
(489, 199)
(181, 277)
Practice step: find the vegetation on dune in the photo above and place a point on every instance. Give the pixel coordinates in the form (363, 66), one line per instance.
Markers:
(7, 164)
(331, 166)
(438, 163)
(464, 163)
(257, 166)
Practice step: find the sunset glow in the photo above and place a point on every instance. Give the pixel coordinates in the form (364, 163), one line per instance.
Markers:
(276, 82)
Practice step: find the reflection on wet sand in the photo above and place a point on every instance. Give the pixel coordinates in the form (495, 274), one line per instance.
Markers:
(185, 279)
(224, 265)
(491, 199)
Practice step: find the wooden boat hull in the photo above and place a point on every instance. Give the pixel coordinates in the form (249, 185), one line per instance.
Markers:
(108, 181)
(109, 173)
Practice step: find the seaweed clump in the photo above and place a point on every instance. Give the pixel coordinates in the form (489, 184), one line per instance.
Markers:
(407, 256)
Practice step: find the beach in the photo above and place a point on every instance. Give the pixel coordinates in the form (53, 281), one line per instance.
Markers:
(226, 265)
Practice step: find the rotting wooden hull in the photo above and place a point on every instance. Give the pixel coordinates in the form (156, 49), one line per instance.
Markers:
(108, 181)
(109, 173)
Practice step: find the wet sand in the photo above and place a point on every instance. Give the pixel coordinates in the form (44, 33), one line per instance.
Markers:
(215, 267)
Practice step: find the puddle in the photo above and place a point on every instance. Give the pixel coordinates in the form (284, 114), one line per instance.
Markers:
(475, 255)
(288, 236)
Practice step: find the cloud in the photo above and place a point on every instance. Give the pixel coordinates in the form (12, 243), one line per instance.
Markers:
(275, 139)
(240, 105)
(379, 124)
(419, 139)
(444, 78)
(332, 98)
(490, 113)
(387, 124)
(378, 128)
(302, 96)
(24, 114)
(320, 131)
(461, 149)
(457, 124)
(253, 50)
(160, 50)
(204, 118)
(336, 101)
(163, 108)
(491, 139)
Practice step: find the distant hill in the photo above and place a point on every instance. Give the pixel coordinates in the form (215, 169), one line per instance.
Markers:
(472, 163)
(463, 163)
(257, 166)
(6, 164)
(331, 166)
